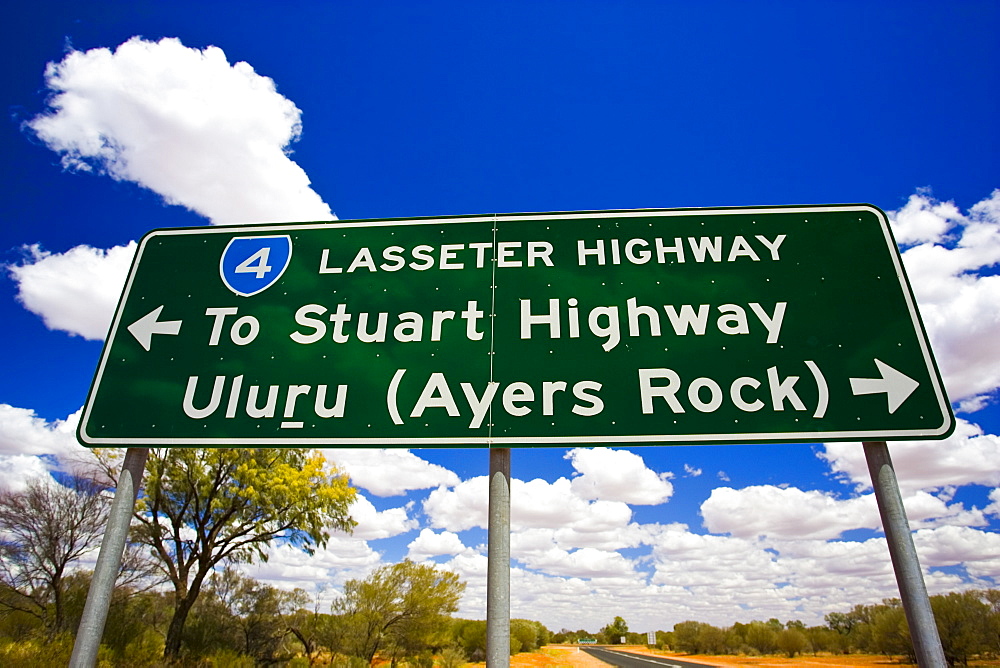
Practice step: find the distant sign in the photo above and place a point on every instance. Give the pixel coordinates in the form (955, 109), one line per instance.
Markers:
(665, 326)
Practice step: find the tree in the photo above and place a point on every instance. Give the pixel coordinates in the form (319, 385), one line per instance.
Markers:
(398, 607)
(792, 641)
(963, 622)
(615, 631)
(202, 507)
(43, 529)
(527, 635)
(470, 634)
(890, 634)
(762, 636)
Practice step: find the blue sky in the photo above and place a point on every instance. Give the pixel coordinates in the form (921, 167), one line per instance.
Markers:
(378, 110)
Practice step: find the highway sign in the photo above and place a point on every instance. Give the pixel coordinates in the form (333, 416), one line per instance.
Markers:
(649, 326)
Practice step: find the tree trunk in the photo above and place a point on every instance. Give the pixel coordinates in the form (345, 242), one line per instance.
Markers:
(175, 632)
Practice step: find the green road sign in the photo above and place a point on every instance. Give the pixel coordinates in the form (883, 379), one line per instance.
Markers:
(650, 326)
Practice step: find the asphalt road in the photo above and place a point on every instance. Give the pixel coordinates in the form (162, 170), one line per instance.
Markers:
(630, 660)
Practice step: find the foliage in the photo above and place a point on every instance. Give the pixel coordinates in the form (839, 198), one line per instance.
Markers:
(792, 641)
(398, 609)
(203, 507)
(470, 635)
(527, 635)
(615, 631)
(964, 624)
(451, 657)
(31, 653)
(44, 529)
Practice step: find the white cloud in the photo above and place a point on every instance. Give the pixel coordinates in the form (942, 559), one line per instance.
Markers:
(374, 524)
(587, 562)
(390, 472)
(16, 471)
(966, 457)
(540, 511)
(22, 432)
(184, 123)
(617, 475)
(952, 545)
(959, 301)
(994, 507)
(76, 291)
(429, 544)
(344, 558)
(924, 219)
(789, 513)
(766, 510)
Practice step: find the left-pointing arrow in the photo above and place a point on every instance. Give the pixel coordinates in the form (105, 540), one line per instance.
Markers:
(149, 324)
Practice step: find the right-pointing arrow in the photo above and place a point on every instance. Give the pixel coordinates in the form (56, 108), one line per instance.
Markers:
(896, 385)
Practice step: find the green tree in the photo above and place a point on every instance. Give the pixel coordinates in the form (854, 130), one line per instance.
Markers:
(711, 639)
(792, 641)
(963, 622)
(243, 615)
(890, 634)
(527, 635)
(470, 634)
(686, 637)
(615, 631)
(399, 607)
(202, 507)
(762, 636)
(43, 529)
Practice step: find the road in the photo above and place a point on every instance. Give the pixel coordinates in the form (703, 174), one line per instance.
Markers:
(630, 660)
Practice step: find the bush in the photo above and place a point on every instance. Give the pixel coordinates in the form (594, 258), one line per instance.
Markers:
(452, 657)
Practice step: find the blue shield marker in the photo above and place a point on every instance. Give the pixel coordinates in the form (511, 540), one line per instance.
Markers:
(250, 265)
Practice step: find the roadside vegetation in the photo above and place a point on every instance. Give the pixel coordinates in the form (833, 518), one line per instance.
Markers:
(181, 601)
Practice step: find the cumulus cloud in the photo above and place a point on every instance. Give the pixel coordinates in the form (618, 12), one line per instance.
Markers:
(788, 513)
(950, 268)
(374, 524)
(978, 550)
(390, 472)
(22, 432)
(430, 544)
(617, 475)
(587, 562)
(766, 510)
(967, 457)
(184, 123)
(344, 558)
(76, 291)
(16, 471)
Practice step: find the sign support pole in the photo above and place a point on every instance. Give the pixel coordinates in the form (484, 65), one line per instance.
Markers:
(912, 590)
(498, 562)
(109, 560)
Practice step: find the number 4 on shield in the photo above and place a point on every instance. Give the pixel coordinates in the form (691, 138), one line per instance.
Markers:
(250, 265)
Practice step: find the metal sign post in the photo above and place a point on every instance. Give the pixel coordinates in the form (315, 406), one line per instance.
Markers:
(498, 562)
(109, 560)
(909, 578)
